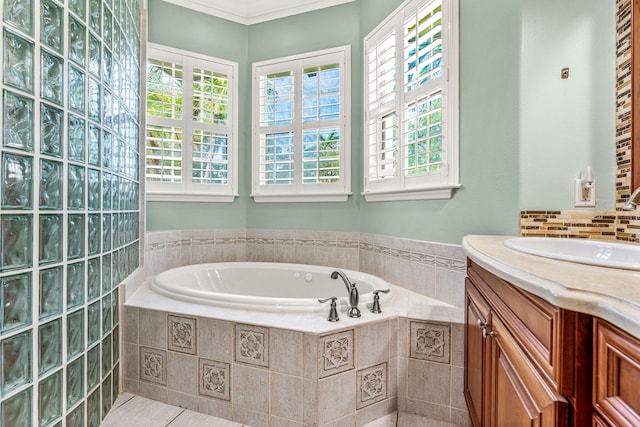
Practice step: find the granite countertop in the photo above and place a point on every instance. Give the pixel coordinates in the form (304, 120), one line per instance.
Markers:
(609, 293)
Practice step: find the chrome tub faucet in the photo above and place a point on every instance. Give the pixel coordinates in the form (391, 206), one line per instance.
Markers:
(354, 311)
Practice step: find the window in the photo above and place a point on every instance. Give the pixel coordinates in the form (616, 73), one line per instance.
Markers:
(301, 134)
(191, 131)
(411, 103)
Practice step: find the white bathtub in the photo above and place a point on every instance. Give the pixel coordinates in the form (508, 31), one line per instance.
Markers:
(265, 286)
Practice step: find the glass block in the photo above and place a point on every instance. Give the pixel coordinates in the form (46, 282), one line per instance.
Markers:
(17, 182)
(50, 238)
(106, 232)
(51, 25)
(107, 67)
(75, 381)
(93, 367)
(107, 108)
(75, 184)
(75, 284)
(75, 237)
(115, 383)
(106, 314)
(107, 150)
(106, 191)
(50, 185)
(19, 13)
(51, 77)
(76, 139)
(16, 362)
(52, 129)
(76, 417)
(95, 100)
(95, 16)
(16, 237)
(115, 309)
(93, 408)
(95, 193)
(77, 42)
(106, 356)
(93, 323)
(79, 7)
(50, 292)
(93, 279)
(94, 234)
(16, 411)
(106, 395)
(116, 340)
(76, 89)
(107, 27)
(116, 191)
(18, 121)
(50, 399)
(94, 145)
(95, 55)
(17, 62)
(50, 342)
(15, 298)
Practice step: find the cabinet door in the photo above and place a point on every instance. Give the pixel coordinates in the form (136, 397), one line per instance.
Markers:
(519, 396)
(617, 375)
(475, 363)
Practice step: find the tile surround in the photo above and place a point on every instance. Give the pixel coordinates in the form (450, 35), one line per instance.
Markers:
(328, 385)
(244, 362)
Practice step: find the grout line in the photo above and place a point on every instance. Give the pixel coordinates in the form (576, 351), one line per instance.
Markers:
(175, 418)
(133, 396)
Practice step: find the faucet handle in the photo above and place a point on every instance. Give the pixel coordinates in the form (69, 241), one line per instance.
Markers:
(333, 311)
(375, 308)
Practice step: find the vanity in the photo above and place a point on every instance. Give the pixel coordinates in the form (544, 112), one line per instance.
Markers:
(549, 342)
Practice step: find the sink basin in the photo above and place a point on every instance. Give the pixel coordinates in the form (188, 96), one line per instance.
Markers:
(593, 252)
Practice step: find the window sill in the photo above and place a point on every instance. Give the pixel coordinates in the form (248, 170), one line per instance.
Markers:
(300, 198)
(435, 193)
(190, 197)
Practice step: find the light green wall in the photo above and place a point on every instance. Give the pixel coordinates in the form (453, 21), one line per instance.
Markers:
(499, 140)
(186, 29)
(567, 124)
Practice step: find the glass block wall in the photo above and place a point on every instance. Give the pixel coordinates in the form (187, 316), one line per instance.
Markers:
(69, 204)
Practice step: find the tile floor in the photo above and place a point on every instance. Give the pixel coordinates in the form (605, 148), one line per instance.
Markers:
(135, 411)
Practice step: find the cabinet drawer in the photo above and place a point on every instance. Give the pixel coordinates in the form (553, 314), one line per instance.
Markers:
(536, 324)
(616, 375)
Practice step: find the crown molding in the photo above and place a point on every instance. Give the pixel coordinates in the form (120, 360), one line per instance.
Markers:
(249, 12)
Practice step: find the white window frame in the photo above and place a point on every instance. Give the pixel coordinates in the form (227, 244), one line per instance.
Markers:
(299, 192)
(430, 185)
(187, 190)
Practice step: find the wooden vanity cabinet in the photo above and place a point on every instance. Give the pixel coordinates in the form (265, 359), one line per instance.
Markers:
(616, 379)
(521, 357)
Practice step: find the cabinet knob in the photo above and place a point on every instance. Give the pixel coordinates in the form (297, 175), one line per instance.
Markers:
(487, 334)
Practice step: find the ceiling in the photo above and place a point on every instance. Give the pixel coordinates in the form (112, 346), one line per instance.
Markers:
(254, 11)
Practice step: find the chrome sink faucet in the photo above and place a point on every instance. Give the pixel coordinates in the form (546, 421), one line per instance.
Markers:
(632, 203)
(353, 293)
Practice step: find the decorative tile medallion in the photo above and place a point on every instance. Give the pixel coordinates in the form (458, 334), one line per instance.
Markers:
(252, 345)
(372, 385)
(430, 341)
(182, 334)
(215, 379)
(335, 353)
(153, 366)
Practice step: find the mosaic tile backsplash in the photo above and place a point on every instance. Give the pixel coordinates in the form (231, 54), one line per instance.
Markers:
(69, 204)
(609, 225)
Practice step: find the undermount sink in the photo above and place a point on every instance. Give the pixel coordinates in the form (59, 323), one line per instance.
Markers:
(593, 252)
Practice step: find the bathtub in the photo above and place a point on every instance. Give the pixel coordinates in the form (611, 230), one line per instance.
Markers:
(265, 286)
